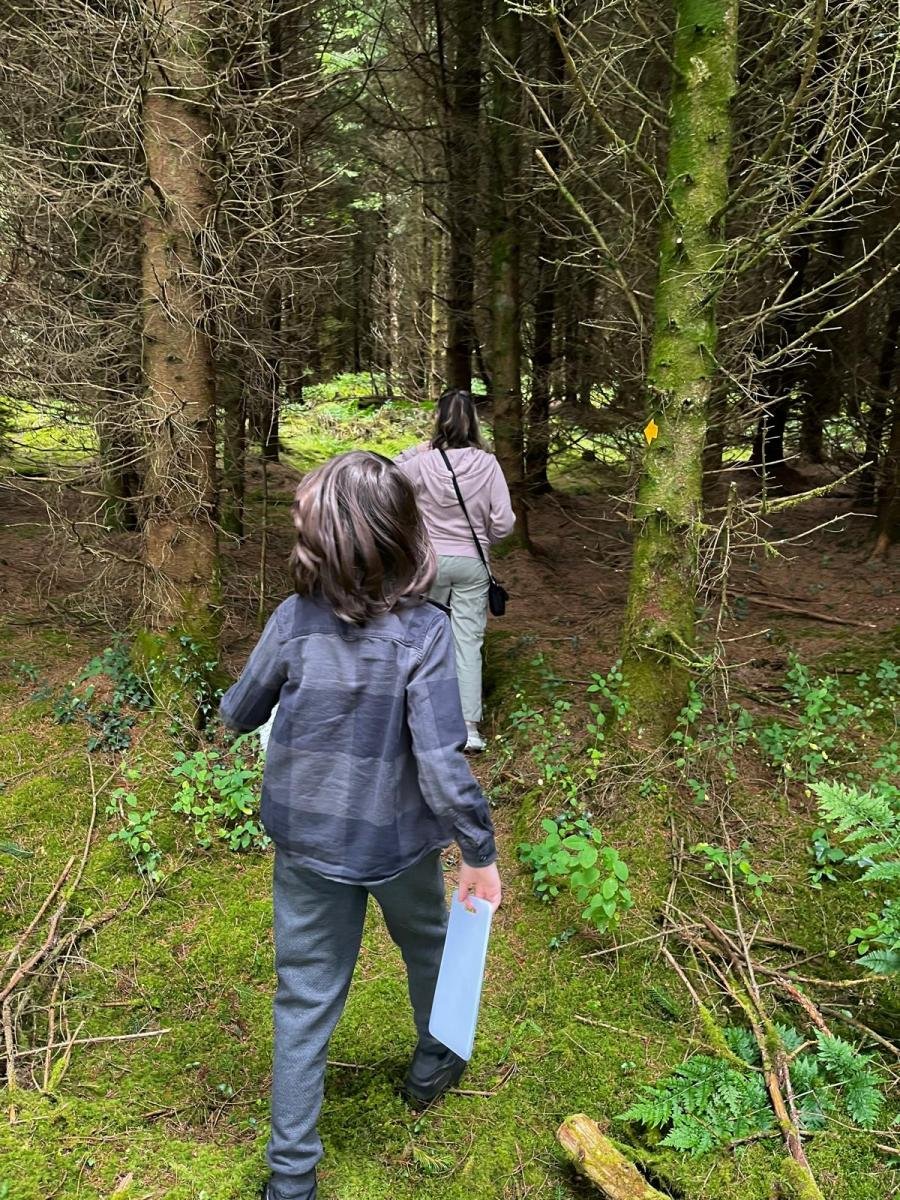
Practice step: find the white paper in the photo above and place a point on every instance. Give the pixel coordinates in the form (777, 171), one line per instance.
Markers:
(457, 997)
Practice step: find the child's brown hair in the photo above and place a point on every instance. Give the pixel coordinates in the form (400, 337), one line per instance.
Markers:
(361, 542)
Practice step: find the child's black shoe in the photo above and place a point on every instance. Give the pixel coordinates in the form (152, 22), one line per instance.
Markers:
(432, 1074)
(269, 1193)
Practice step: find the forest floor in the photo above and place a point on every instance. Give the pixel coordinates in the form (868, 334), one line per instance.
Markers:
(178, 975)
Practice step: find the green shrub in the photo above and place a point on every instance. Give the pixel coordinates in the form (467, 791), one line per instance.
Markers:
(219, 791)
(572, 857)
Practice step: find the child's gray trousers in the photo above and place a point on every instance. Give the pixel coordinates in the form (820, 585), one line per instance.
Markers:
(318, 929)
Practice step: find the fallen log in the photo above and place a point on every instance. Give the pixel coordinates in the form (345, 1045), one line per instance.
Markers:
(594, 1156)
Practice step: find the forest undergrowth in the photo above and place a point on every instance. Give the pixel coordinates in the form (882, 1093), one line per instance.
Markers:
(684, 939)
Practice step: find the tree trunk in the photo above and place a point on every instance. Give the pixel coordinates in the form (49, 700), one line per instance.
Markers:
(180, 548)
(768, 444)
(812, 428)
(878, 408)
(435, 358)
(118, 457)
(714, 447)
(537, 451)
(271, 414)
(889, 491)
(505, 261)
(466, 19)
(659, 617)
(595, 1157)
(234, 453)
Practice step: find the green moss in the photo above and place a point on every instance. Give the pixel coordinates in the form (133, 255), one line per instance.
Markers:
(185, 1114)
(796, 1183)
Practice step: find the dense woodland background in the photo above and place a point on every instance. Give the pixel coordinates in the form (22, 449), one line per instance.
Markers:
(660, 245)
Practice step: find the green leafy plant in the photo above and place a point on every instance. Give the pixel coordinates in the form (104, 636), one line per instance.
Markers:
(189, 680)
(129, 688)
(852, 1074)
(825, 718)
(24, 671)
(611, 687)
(112, 731)
(108, 711)
(572, 857)
(733, 865)
(868, 823)
(827, 858)
(704, 1104)
(707, 1103)
(69, 706)
(219, 792)
(136, 834)
(550, 742)
(878, 942)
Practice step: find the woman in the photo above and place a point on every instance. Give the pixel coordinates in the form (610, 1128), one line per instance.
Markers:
(462, 581)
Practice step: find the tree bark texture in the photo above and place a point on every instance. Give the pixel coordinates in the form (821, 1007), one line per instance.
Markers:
(119, 460)
(889, 492)
(180, 547)
(768, 444)
(466, 19)
(659, 618)
(877, 414)
(234, 452)
(537, 451)
(505, 260)
(595, 1157)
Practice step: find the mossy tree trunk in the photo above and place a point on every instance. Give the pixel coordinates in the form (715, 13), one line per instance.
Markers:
(462, 154)
(180, 545)
(505, 262)
(659, 620)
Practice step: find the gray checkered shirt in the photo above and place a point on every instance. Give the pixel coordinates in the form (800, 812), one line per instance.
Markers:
(365, 773)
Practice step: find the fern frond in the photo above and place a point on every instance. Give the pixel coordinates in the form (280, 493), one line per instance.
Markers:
(881, 962)
(854, 1076)
(853, 812)
(863, 1101)
(790, 1038)
(742, 1043)
(884, 872)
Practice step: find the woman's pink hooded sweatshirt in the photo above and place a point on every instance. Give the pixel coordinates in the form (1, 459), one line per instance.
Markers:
(484, 491)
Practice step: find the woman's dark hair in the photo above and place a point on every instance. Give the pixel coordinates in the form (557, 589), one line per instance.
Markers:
(456, 422)
(361, 542)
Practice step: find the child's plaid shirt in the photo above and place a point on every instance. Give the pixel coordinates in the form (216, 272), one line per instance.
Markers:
(365, 773)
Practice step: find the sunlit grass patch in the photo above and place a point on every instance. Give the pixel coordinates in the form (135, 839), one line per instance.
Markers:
(49, 430)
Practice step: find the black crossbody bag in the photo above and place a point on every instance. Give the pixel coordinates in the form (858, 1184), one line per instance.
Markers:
(497, 593)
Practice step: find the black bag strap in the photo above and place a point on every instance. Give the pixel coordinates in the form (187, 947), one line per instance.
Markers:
(462, 505)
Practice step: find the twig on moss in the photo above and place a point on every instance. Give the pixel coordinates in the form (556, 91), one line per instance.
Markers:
(93, 1041)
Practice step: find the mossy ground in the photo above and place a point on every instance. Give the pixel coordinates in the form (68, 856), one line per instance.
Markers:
(183, 1115)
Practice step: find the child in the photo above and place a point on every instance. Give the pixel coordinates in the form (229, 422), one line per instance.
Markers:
(365, 782)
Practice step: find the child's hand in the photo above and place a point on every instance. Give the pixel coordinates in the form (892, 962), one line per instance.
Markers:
(483, 882)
